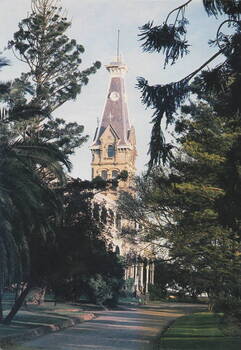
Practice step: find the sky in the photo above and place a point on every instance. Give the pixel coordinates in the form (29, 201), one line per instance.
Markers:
(95, 24)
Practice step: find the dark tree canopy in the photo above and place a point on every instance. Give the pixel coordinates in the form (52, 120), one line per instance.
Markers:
(190, 209)
(35, 147)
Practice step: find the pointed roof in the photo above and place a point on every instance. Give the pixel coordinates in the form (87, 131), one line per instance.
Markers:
(115, 111)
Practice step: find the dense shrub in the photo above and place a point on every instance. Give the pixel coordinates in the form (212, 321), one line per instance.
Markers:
(128, 290)
(157, 292)
(231, 306)
(98, 289)
(103, 290)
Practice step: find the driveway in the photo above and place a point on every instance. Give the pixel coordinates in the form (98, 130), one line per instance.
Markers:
(132, 328)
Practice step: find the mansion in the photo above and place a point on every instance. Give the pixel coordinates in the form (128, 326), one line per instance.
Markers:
(113, 151)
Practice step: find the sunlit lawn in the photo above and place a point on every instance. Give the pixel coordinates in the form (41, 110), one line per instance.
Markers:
(200, 331)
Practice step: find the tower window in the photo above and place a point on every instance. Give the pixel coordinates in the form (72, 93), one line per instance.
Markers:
(118, 221)
(115, 174)
(104, 174)
(111, 151)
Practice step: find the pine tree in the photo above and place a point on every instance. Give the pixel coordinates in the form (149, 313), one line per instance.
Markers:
(170, 38)
(190, 208)
(204, 183)
(53, 77)
(34, 146)
(52, 57)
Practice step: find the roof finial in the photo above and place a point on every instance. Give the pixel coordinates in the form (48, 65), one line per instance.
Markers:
(118, 46)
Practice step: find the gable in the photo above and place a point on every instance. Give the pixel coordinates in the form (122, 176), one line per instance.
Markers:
(109, 135)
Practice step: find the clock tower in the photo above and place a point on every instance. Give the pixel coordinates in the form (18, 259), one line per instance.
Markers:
(114, 146)
(114, 150)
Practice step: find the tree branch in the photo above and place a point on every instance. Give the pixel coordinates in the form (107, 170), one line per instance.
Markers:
(177, 9)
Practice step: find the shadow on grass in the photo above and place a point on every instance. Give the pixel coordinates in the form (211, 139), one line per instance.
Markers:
(200, 331)
(201, 343)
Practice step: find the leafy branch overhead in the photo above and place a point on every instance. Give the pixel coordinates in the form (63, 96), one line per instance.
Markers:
(170, 39)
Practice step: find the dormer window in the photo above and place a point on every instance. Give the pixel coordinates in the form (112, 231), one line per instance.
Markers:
(111, 151)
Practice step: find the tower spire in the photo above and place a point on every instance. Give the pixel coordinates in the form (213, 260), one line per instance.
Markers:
(118, 45)
(114, 146)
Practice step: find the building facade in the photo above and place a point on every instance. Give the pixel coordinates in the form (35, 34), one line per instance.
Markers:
(114, 150)
(114, 146)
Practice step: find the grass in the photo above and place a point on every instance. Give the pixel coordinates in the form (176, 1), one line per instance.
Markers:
(18, 347)
(33, 316)
(201, 331)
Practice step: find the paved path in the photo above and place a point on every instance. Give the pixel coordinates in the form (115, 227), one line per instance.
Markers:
(128, 329)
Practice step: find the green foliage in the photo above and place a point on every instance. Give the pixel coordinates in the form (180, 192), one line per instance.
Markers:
(3, 62)
(34, 153)
(28, 203)
(53, 78)
(53, 59)
(164, 99)
(224, 79)
(231, 306)
(231, 8)
(66, 136)
(128, 287)
(191, 205)
(192, 208)
(123, 175)
(173, 278)
(99, 290)
(77, 253)
(26, 200)
(167, 38)
(156, 292)
(199, 331)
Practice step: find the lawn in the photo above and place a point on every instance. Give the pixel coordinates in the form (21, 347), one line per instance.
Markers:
(35, 316)
(200, 331)
(17, 347)
(32, 316)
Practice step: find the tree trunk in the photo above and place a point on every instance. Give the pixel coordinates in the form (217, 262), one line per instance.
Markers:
(17, 305)
(17, 292)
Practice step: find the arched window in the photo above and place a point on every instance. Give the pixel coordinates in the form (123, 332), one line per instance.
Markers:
(104, 174)
(111, 151)
(117, 250)
(118, 221)
(110, 247)
(114, 173)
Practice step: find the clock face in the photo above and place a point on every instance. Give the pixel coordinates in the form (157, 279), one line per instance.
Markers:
(114, 96)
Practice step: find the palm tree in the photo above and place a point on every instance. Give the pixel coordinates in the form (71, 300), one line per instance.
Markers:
(30, 171)
(26, 199)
